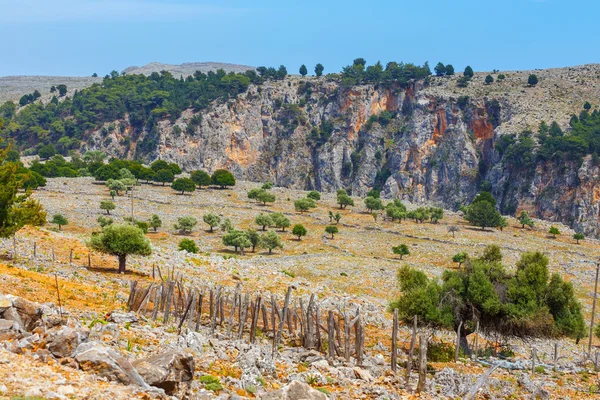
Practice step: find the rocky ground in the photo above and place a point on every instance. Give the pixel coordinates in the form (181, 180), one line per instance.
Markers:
(133, 354)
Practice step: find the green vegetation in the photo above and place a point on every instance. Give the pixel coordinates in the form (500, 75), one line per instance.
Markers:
(107, 206)
(331, 229)
(578, 236)
(144, 100)
(394, 73)
(184, 185)
(532, 80)
(460, 258)
(401, 250)
(16, 210)
(299, 230)
(280, 221)
(238, 239)
(468, 72)
(373, 204)
(271, 241)
(223, 178)
(303, 70)
(188, 245)
(121, 241)
(482, 212)
(343, 199)
(104, 221)
(489, 79)
(525, 220)
(553, 231)
(319, 69)
(263, 220)
(59, 220)
(212, 220)
(314, 195)
(396, 210)
(164, 176)
(304, 204)
(200, 178)
(528, 302)
(185, 225)
(155, 222)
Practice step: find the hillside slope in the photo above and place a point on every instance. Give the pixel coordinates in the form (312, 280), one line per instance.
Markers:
(437, 147)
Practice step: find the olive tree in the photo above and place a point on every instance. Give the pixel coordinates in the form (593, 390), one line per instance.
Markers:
(59, 220)
(212, 220)
(121, 240)
(271, 240)
(331, 229)
(263, 220)
(299, 230)
(185, 224)
(401, 250)
(155, 222)
(107, 205)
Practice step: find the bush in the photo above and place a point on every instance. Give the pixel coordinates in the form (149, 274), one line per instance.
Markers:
(314, 195)
(532, 80)
(304, 204)
(299, 230)
(59, 220)
(554, 231)
(188, 245)
(525, 303)
(578, 236)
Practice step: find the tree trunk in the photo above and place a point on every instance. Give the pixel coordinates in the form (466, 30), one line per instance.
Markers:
(211, 229)
(270, 251)
(122, 260)
(60, 229)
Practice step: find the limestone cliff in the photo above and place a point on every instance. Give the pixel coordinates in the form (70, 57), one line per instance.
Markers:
(428, 142)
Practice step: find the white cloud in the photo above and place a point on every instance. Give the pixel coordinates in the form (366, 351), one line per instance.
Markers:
(24, 11)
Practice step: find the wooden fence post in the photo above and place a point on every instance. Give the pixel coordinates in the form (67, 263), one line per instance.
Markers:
(411, 352)
(89, 259)
(395, 342)
(71, 257)
(533, 351)
(457, 342)
(53, 257)
(555, 358)
(284, 313)
(422, 363)
(330, 335)
(34, 249)
(477, 341)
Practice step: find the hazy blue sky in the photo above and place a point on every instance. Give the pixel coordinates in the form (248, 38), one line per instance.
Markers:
(79, 37)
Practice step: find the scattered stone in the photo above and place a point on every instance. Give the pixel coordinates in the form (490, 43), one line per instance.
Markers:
(167, 370)
(104, 361)
(63, 342)
(120, 317)
(295, 390)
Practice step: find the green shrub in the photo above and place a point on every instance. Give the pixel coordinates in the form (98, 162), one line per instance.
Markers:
(188, 245)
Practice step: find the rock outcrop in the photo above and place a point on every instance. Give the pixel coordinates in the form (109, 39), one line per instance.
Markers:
(425, 142)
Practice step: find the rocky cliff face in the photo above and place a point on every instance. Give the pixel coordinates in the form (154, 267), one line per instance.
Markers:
(423, 143)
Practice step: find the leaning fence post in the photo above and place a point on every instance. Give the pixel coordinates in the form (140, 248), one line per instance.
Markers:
(394, 342)
(533, 360)
(422, 363)
(330, 335)
(476, 341)
(53, 257)
(555, 359)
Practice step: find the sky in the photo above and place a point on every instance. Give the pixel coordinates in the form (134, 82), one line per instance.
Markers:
(81, 37)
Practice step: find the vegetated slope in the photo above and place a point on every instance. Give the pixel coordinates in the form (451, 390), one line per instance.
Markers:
(425, 140)
(13, 87)
(186, 69)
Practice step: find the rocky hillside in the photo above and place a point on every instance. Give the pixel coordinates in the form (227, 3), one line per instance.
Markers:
(431, 141)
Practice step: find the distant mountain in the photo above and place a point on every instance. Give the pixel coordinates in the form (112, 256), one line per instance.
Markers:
(186, 69)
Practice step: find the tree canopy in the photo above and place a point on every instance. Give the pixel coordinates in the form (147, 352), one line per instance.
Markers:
(528, 302)
(121, 241)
